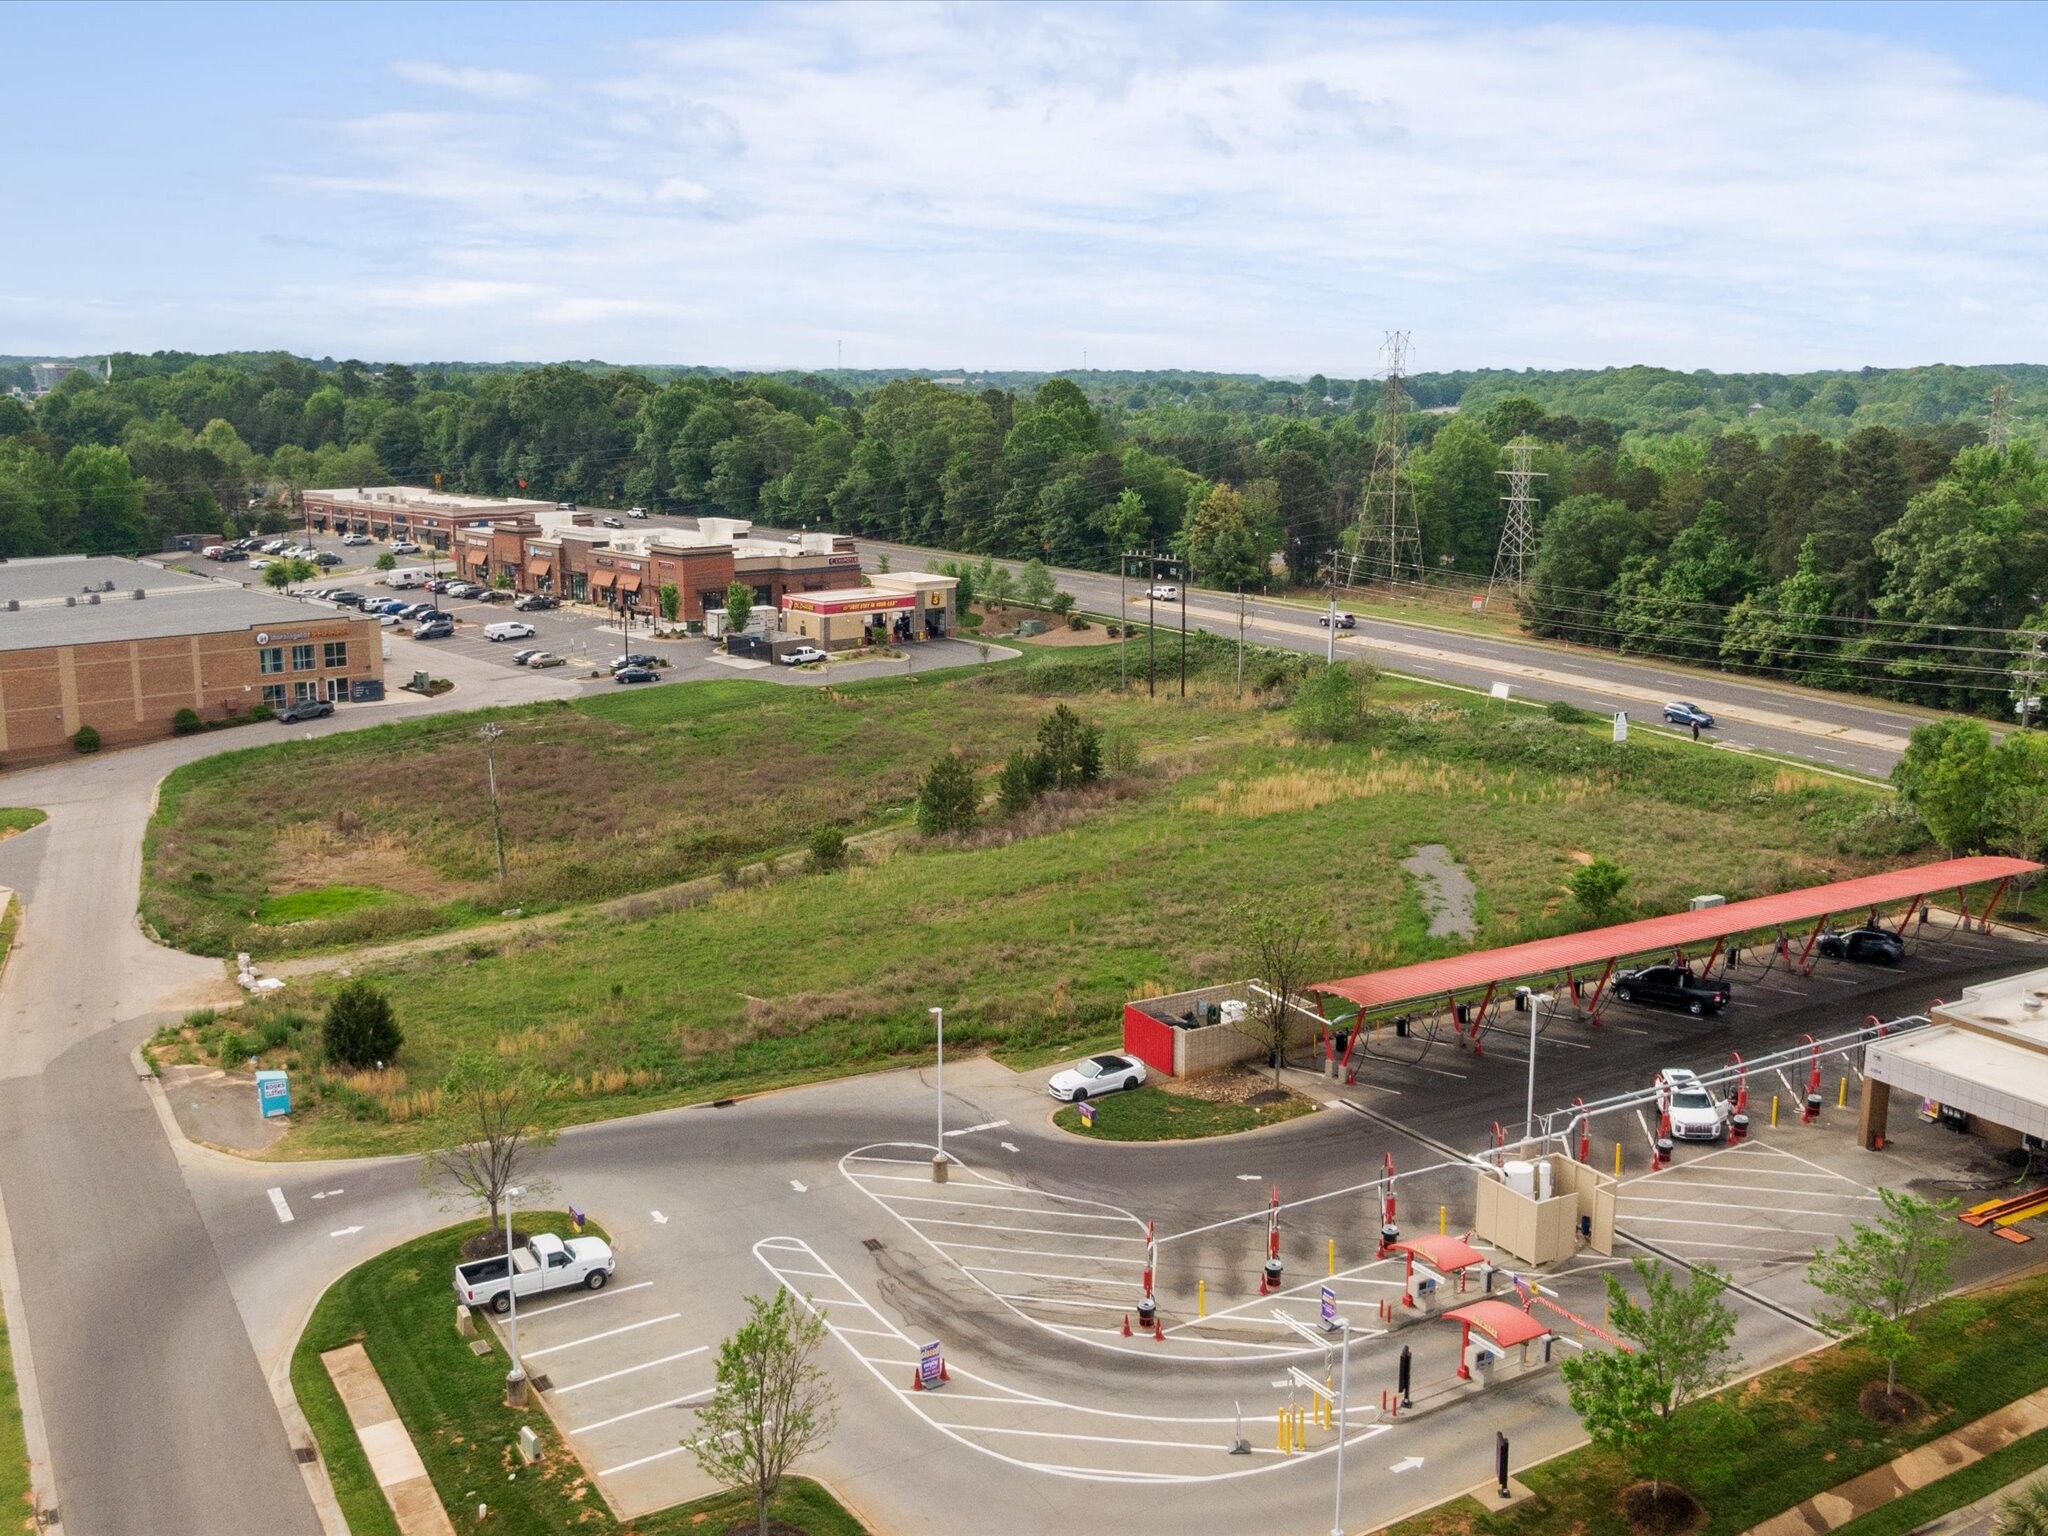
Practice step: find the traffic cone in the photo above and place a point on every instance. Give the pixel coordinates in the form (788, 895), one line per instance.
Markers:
(1127, 1325)
(1158, 1333)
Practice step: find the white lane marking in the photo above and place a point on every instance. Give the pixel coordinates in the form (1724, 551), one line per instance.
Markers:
(1041, 1274)
(1842, 1176)
(345, 1232)
(1029, 1253)
(1406, 1464)
(604, 1295)
(609, 1333)
(1740, 1226)
(1025, 1298)
(1055, 1434)
(992, 1226)
(663, 1220)
(1731, 1205)
(986, 1125)
(1017, 1210)
(811, 1274)
(627, 1466)
(620, 1418)
(1248, 1178)
(1667, 1181)
(1748, 1248)
(901, 1162)
(278, 1204)
(645, 1365)
(1011, 1146)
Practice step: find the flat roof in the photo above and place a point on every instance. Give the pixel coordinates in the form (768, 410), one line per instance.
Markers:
(420, 498)
(1597, 946)
(1987, 1054)
(177, 604)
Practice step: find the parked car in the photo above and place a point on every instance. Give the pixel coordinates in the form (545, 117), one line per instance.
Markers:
(494, 595)
(636, 675)
(327, 557)
(535, 602)
(546, 1263)
(521, 658)
(390, 618)
(1682, 713)
(802, 655)
(356, 538)
(636, 512)
(415, 610)
(637, 659)
(261, 565)
(546, 659)
(1164, 594)
(610, 522)
(1869, 944)
(277, 546)
(232, 553)
(439, 583)
(1696, 1115)
(508, 629)
(434, 629)
(1096, 1076)
(466, 590)
(305, 709)
(1671, 986)
(405, 547)
(1342, 621)
(349, 599)
(404, 578)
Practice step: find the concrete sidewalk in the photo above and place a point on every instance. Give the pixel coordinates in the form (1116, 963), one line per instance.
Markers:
(1916, 1469)
(394, 1459)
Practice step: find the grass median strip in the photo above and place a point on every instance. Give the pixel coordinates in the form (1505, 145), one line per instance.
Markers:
(1153, 1113)
(399, 1307)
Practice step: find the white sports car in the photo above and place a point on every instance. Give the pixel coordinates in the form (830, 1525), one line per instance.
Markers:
(1096, 1076)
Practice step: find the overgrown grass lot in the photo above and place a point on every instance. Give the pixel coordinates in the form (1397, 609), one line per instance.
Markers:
(1032, 931)
(452, 1401)
(1801, 1432)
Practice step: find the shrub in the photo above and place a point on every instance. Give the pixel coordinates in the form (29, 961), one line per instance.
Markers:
(947, 798)
(828, 850)
(387, 561)
(1568, 714)
(1114, 631)
(1120, 752)
(361, 1030)
(262, 712)
(1330, 705)
(1062, 603)
(1597, 887)
(186, 722)
(1017, 784)
(1075, 621)
(1069, 750)
(729, 870)
(86, 739)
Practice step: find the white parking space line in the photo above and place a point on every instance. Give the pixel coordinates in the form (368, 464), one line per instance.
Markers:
(645, 1365)
(1017, 1210)
(1060, 1301)
(1739, 1226)
(1728, 1205)
(279, 1204)
(1032, 1253)
(603, 1295)
(1748, 1248)
(620, 1418)
(609, 1333)
(990, 1226)
(1666, 1181)
(627, 1466)
(1040, 1274)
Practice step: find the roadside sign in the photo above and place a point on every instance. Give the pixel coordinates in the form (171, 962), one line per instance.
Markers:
(1329, 1309)
(1500, 690)
(1621, 725)
(1087, 1115)
(931, 1366)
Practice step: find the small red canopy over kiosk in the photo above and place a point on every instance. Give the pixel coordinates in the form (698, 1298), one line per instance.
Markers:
(1505, 1324)
(1447, 1254)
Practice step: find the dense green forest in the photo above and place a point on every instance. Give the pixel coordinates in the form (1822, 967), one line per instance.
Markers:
(1850, 530)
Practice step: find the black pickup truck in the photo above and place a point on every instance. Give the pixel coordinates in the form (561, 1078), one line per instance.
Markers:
(1671, 986)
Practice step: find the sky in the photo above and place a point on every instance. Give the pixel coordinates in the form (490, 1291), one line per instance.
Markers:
(1244, 188)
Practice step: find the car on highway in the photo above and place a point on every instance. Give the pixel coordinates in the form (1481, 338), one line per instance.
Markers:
(534, 602)
(636, 675)
(637, 512)
(803, 655)
(508, 629)
(405, 547)
(1682, 713)
(305, 709)
(546, 659)
(1096, 1076)
(1696, 1115)
(1164, 594)
(434, 629)
(353, 539)
(610, 522)
(546, 1263)
(1341, 621)
(1870, 945)
(1671, 986)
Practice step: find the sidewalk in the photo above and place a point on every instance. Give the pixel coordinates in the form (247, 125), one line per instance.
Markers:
(1916, 1469)
(394, 1460)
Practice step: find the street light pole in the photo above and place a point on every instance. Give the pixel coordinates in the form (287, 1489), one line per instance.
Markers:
(515, 1379)
(939, 1078)
(1343, 1419)
(490, 734)
(1529, 1104)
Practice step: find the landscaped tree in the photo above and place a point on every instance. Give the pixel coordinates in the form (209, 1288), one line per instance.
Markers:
(1945, 776)
(1597, 885)
(1883, 1271)
(1283, 947)
(1069, 750)
(361, 1030)
(998, 584)
(2016, 801)
(948, 797)
(1017, 784)
(387, 561)
(1633, 1401)
(1035, 586)
(671, 599)
(498, 1105)
(739, 606)
(772, 1401)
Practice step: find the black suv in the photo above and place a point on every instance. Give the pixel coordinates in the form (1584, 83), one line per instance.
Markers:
(1671, 986)
(1873, 946)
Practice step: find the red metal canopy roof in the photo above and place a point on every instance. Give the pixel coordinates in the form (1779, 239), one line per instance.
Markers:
(1447, 1253)
(1507, 1326)
(1485, 967)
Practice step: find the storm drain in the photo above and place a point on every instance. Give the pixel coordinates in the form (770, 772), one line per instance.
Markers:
(872, 1244)
(304, 1454)
(542, 1384)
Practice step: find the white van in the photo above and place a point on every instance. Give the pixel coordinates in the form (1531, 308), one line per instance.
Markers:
(410, 576)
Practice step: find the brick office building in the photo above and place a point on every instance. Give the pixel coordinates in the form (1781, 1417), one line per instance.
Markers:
(122, 646)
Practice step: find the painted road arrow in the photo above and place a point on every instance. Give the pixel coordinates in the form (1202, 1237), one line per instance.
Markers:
(799, 1186)
(346, 1232)
(1247, 1178)
(1406, 1464)
(325, 1194)
(1010, 1146)
(659, 1217)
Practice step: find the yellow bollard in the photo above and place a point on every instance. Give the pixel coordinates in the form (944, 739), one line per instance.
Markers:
(1774, 1111)
(1842, 1098)
(1617, 1159)
(1440, 1215)
(1286, 1433)
(1201, 1298)
(1333, 1255)
(1301, 1429)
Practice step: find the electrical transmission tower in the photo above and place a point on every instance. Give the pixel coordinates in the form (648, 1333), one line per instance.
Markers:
(2000, 433)
(1518, 533)
(1389, 540)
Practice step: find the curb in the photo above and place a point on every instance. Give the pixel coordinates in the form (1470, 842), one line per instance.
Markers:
(42, 1477)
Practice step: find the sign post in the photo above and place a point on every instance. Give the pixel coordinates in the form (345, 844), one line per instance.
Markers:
(1087, 1112)
(1621, 725)
(1330, 1323)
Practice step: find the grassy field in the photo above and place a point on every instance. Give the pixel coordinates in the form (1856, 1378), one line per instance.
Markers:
(1160, 1114)
(1034, 934)
(1804, 1433)
(452, 1402)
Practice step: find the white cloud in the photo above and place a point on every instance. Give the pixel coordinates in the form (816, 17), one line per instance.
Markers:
(490, 84)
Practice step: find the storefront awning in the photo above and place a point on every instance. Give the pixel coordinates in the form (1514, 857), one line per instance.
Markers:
(540, 565)
(629, 581)
(601, 580)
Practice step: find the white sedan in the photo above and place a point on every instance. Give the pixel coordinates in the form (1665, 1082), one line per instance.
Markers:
(1096, 1076)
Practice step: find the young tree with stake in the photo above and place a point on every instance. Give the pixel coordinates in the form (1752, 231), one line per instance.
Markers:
(772, 1402)
(1883, 1271)
(1284, 948)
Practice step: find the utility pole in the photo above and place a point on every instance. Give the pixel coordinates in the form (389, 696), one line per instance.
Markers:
(1518, 532)
(489, 735)
(1182, 586)
(1999, 435)
(2026, 675)
(1123, 624)
(1240, 642)
(1330, 640)
(1389, 539)
(1343, 1419)
(1151, 634)
(939, 1082)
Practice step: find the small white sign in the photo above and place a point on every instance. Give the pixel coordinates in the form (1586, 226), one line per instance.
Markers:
(1621, 725)
(1500, 690)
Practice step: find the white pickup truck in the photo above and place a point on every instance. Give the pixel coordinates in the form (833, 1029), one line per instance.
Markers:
(546, 1263)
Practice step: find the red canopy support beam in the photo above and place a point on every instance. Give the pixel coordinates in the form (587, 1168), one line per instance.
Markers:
(1600, 991)
(1707, 970)
(1479, 1018)
(1805, 962)
(1464, 1350)
(1907, 921)
(1997, 895)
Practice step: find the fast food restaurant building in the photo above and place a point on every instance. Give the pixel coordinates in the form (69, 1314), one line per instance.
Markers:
(890, 609)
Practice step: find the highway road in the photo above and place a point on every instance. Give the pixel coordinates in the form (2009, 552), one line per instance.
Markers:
(1834, 731)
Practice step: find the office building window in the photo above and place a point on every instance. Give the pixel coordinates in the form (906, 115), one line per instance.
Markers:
(337, 690)
(270, 659)
(335, 653)
(302, 658)
(273, 695)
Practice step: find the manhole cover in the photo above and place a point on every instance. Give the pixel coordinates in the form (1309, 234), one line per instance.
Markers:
(872, 1244)
(542, 1384)
(479, 1346)
(305, 1454)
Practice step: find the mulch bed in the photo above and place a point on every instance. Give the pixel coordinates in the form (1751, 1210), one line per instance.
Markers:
(1900, 1406)
(491, 1245)
(1239, 1085)
(1665, 1511)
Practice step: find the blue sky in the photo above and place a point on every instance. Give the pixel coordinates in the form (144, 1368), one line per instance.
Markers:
(1260, 188)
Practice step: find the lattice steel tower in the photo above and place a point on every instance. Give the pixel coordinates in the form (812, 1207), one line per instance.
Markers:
(1389, 540)
(1518, 533)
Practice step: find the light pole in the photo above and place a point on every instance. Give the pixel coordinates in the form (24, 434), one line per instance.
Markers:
(1343, 1417)
(489, 734)
(515, 1379)
(939, 1077)
(1529, 1104)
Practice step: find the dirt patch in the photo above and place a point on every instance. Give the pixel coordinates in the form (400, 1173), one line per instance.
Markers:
(1060, 635)
(313, 855)
(1448, 895)
(1660, 1511)
(1902, 1405)
(1239, 1085)
(491, 1244)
